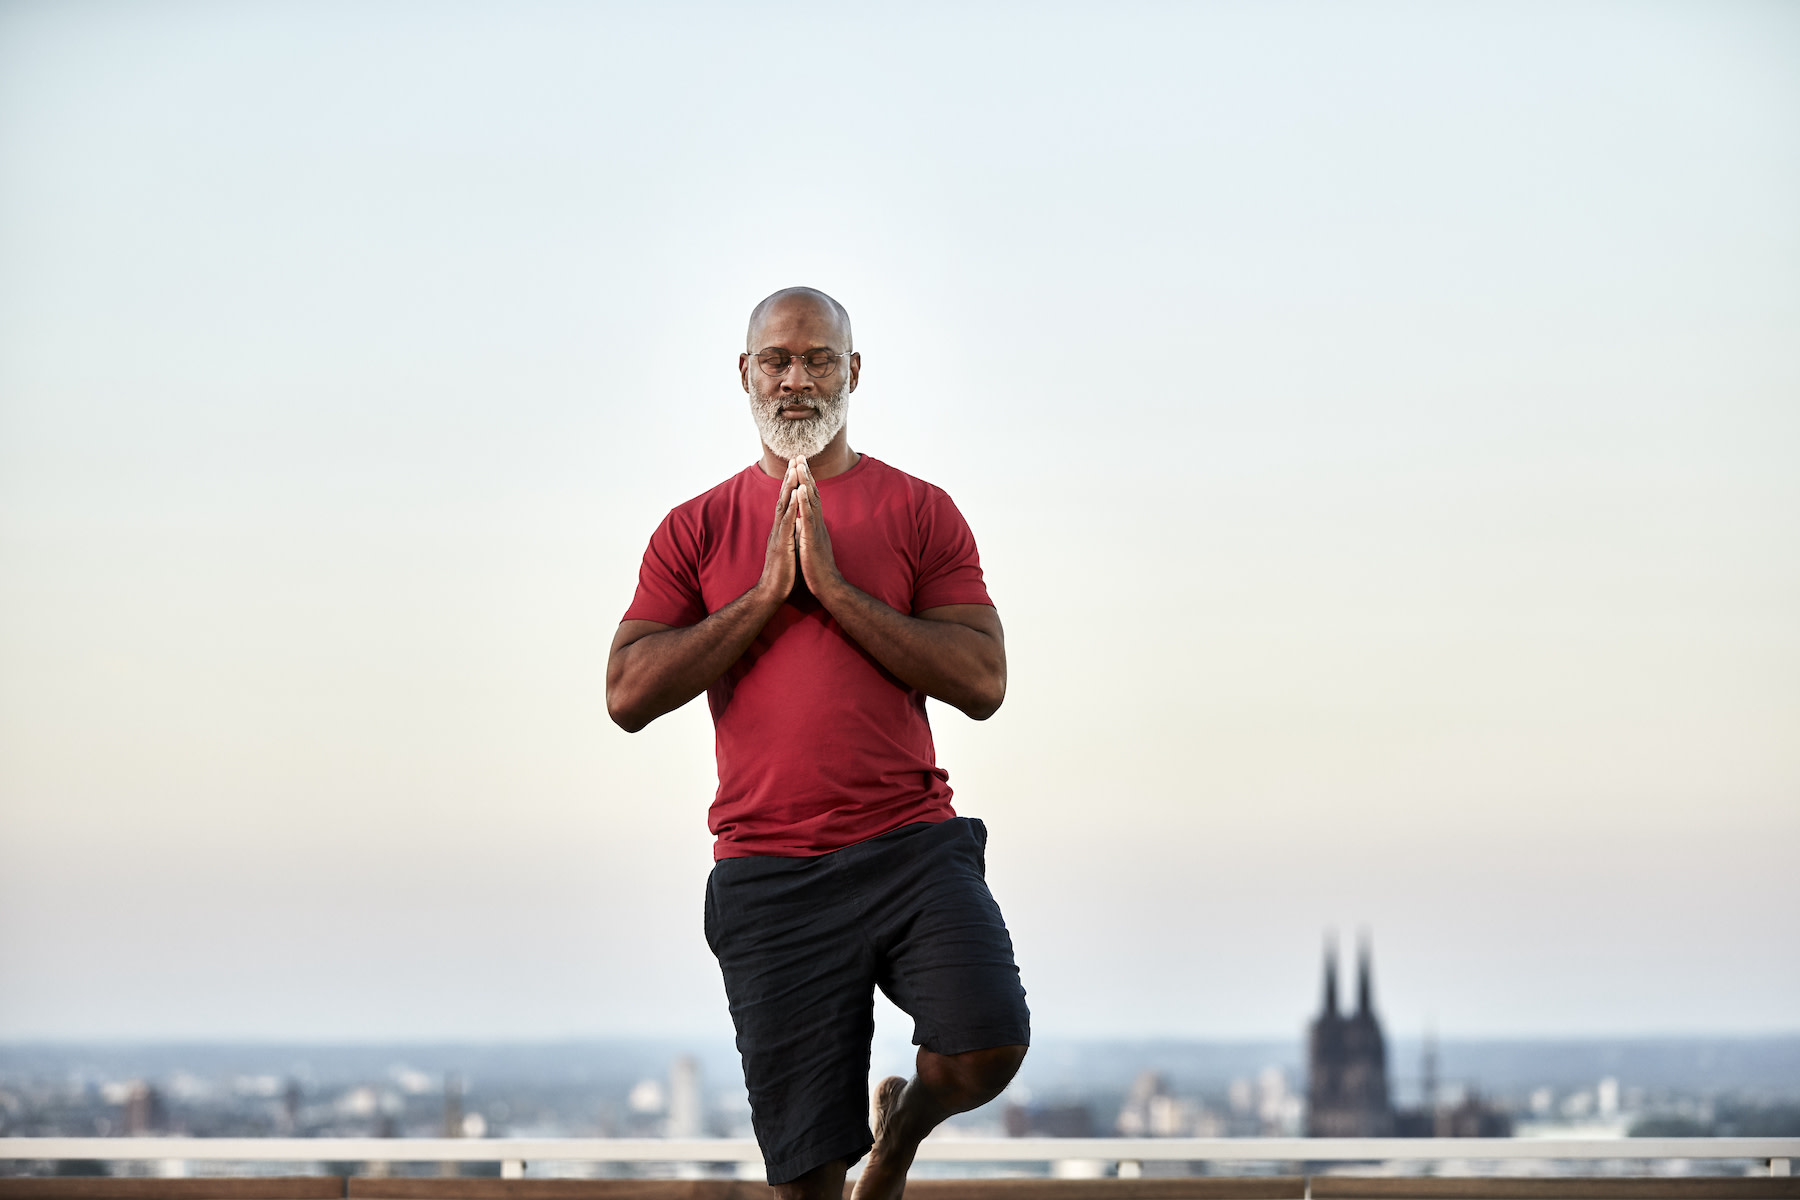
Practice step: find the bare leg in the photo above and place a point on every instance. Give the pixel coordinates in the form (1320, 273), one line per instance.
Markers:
(946, 1084)
(820, 1183)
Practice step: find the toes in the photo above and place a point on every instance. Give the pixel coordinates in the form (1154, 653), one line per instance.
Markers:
(887, 1100)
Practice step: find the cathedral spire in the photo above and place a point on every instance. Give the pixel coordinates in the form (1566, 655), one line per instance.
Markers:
(1331, 957)
(1364, 999)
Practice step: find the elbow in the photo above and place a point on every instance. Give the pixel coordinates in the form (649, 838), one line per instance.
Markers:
(626, 711)
(987, 700)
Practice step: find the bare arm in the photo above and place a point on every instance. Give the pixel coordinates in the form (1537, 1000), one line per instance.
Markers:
(655, 668)
(955, 653)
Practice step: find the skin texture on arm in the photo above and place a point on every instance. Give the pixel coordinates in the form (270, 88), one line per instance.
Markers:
(654, 668)
(955, 653)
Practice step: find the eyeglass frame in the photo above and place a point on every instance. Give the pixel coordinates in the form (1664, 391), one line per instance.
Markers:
(755, 356)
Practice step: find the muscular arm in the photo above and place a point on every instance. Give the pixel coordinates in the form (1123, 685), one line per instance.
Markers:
(655, 668)
(955, 653)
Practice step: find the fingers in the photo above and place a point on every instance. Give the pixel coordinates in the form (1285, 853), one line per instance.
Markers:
(786, 514)
(808, 519)
(788, 522)
(808, 486)
(786, 511)
(788, 483)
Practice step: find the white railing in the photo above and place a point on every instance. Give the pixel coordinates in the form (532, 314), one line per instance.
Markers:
(515, 1153)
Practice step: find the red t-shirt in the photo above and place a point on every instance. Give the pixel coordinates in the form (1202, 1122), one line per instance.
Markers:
(819, 747)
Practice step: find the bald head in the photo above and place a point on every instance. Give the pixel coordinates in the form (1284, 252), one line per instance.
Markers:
(812, 298)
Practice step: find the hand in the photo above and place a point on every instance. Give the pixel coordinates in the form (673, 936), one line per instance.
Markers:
(817, 563)
(779, 562)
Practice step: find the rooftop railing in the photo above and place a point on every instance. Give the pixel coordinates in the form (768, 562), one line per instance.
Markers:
(1112, 1162)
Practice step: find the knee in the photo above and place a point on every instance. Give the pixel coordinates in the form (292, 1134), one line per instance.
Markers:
(974, 1077)
(1001, 1065)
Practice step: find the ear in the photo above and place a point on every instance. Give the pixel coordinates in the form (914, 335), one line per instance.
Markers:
(744, 371)
(855, 368)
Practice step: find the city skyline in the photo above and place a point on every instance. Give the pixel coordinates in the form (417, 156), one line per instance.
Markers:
(675, 1089)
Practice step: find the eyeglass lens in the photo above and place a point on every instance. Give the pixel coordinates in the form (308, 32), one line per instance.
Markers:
(818, 363)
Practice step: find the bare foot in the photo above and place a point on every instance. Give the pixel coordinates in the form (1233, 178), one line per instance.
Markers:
(884, 1175)
(887, 1101)
(905, 1112)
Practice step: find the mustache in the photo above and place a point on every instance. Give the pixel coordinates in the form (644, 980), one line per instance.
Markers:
(821, 405)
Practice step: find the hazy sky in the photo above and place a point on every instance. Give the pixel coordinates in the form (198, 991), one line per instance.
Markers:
(1380, 423)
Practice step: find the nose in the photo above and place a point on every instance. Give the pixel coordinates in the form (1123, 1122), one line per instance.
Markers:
(795, 378)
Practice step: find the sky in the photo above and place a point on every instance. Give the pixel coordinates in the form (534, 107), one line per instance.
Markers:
(1379, 423)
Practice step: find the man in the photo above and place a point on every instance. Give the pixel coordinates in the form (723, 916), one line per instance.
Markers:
(818, 597)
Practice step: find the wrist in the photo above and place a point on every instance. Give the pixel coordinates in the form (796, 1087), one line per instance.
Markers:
(833, 591)
(767, 595)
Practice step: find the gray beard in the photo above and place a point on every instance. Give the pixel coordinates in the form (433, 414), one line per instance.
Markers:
(799, 439)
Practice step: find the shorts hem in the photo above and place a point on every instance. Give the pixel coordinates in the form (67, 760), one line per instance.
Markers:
(794, 1166)
(986, 1038)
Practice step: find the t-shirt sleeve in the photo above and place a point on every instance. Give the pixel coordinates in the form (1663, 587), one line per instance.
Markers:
(668, 590)
(949, 567)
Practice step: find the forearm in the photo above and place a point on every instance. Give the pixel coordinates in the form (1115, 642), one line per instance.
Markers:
(662, 671)
(947, 660)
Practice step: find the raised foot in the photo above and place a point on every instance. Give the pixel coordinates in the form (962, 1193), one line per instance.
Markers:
(884, 1175)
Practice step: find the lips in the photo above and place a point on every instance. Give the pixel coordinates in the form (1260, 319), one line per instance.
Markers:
(798, 412)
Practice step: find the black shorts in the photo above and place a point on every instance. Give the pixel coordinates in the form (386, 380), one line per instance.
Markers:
(803, 943)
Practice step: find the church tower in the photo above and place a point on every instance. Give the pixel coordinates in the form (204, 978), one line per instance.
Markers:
(1346, 1085)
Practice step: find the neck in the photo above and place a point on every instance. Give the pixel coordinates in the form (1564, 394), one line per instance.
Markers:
(836, 458)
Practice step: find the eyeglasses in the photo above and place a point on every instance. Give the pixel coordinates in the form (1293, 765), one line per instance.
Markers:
(818, 363)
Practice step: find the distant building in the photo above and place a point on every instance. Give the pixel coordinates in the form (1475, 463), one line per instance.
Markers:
(453, 1106)
(290, 1109)
(1346, 1064)
(1469, 1117)
(686, 1116)
(1152, 1109)
(1347, 1076)
(1048, 1120)
(145, 1111)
